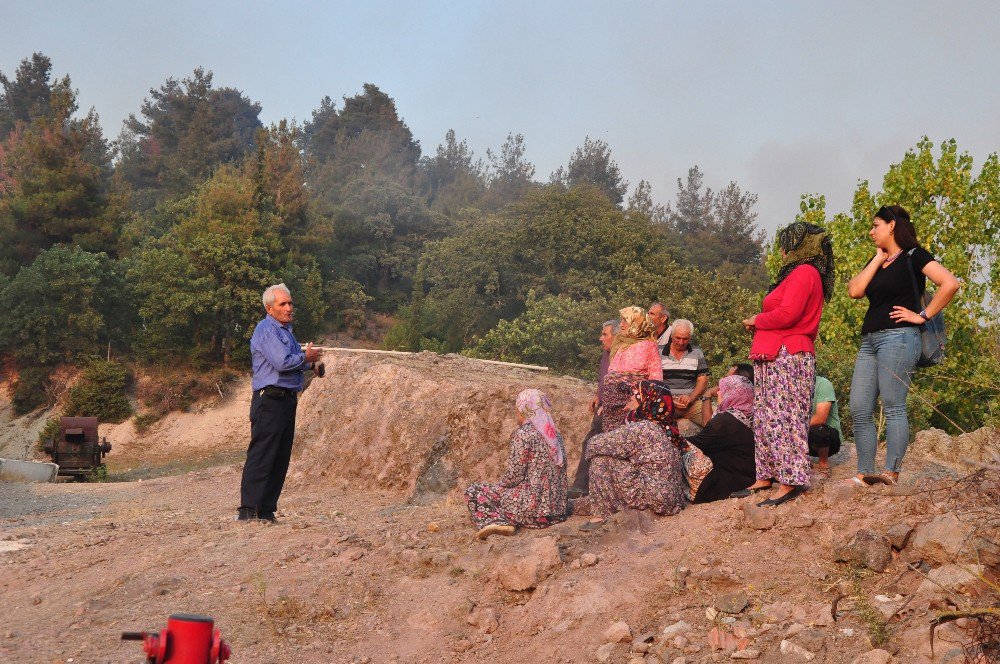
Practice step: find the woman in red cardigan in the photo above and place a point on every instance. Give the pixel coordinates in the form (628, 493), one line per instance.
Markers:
(784, 360)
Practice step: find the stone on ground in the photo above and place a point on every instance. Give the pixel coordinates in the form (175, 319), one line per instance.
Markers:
(873, 657)
(618, 632)
(868, 549)
(523, 569)
(758, 518)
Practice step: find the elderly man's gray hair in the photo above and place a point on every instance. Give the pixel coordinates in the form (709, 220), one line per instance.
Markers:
(666, 312)
(269, 294)
(613, 324)
(684, 323)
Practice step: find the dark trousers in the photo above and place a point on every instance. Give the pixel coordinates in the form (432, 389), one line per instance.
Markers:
(820, 436)
(272, 427)
(581, 482)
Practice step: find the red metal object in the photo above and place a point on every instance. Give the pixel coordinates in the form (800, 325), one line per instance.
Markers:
(188, 639)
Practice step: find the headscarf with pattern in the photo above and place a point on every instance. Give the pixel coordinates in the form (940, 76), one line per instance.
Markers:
(635, 328)
(535, 407)
(736, 398)
(657, 405)
(807, 244)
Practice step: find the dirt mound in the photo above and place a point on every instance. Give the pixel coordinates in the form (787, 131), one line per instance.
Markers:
(424, 424)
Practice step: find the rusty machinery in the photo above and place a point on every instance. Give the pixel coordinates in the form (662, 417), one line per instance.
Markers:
(78, 450)
(188, 639)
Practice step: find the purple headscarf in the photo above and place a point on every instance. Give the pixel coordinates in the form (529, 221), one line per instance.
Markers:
(736, 398)
(535, 407)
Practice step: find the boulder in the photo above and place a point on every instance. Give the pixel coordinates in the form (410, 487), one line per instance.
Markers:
(731, 602)
(944, 539)
(963, 579)
(899, 535)
(868, 549)
(523, 569)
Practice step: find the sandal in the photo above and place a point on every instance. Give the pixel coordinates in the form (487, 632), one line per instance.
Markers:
(856, 481)
(889, 479)
(882, 478)
(591, 525)
(743, 493)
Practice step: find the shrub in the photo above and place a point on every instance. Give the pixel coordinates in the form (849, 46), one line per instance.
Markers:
(29, 392)
(100, 393)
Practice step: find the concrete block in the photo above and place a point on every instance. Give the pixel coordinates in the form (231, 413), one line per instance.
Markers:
(14, 470)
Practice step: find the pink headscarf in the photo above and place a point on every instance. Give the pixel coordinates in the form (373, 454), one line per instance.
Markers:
(535, 406)
(736, 398)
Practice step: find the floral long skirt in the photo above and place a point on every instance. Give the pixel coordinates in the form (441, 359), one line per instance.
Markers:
(782, 407)
(615, 393)
(496, 504)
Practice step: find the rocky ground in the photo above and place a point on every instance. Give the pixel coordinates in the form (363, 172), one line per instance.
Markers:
(373, 558)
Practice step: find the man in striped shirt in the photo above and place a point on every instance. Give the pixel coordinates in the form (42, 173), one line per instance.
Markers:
(685, 372)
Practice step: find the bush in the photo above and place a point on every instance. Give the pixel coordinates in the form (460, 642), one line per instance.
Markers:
(29, 392)
(50, 430)
(100, 393)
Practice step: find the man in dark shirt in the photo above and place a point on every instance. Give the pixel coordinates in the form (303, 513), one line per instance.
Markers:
(278, 362)
(581, 481)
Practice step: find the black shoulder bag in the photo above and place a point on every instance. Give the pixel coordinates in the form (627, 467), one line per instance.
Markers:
(932, 335)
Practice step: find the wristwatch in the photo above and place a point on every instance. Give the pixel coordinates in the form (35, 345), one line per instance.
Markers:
(923, 314)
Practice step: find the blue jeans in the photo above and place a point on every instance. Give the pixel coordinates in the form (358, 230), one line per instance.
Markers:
(885, 365)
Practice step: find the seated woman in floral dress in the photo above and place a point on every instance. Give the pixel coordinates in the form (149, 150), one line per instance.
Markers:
(638, 465)
(532, 491)
(721, 458)
(634, 357)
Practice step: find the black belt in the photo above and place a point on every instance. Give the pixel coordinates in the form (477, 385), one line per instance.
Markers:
(276, 392)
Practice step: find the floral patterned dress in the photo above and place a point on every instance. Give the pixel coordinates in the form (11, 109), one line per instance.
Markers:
(636, 466)
(640, 361)
(531, 492)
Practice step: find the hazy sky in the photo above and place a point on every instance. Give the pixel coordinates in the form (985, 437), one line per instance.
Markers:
(782, 97)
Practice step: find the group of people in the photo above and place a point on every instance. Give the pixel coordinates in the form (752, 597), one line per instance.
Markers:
(772, 415)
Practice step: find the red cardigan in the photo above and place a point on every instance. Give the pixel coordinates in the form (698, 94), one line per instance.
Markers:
(790, 315)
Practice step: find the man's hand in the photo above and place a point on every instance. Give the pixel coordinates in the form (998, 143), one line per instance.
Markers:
(311, 353)
(682, 401)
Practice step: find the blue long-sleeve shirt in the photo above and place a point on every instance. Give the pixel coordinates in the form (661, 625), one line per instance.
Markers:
(276, 356)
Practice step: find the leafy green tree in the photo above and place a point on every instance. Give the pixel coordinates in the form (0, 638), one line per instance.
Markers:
(554, 331)
(68, 303)
(32, 95)
(200, 285)
(510, 174)
(455, 179)
(556, 242)
(591, 164)
(186, 130)
(955, 211)
(366, 140)
(55, 177)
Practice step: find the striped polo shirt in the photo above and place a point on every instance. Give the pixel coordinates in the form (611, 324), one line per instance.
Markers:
(680, 375)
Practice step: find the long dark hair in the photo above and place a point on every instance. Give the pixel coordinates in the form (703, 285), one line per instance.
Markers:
(904, 232)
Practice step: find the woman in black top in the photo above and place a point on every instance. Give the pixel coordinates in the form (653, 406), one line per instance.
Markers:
(727, 440)
(890, 335)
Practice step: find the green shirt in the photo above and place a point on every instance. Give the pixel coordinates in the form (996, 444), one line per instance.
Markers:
(822, 393)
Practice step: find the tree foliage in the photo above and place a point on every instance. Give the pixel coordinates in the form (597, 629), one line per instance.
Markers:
(591, 164)
(67, 304)
(955, 211)
(184, 131)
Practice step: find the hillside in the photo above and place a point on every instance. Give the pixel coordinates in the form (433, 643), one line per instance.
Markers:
(373, 558)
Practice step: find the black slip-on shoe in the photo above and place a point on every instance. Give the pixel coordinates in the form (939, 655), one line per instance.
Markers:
(774, 502)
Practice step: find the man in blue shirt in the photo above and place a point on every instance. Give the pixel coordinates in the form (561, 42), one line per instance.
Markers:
(278, 362)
